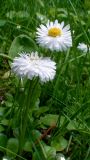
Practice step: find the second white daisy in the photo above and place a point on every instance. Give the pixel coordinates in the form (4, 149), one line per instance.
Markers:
(31, 65)
(54, 36)
(83, 47)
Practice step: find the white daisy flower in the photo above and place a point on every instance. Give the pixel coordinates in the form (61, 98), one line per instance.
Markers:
(83, 47)
(31, 65)
(54, 36)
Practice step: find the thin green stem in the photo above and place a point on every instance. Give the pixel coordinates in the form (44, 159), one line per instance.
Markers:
(13, 153)
(87, 154)
(26, 109)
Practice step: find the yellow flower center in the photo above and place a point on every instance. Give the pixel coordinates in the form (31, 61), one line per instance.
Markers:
(54, 32)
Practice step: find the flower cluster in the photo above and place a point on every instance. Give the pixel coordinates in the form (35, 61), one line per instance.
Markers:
(54, 36)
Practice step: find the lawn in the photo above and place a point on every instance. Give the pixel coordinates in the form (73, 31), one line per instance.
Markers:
(45, 80)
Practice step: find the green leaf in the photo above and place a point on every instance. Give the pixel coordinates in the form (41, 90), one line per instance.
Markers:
(41, 3)
(8, 104)
(36, 135)
(22, 43)
(6, 75)
(5, 122)
(45, 152)
(2, 22)
(59, 143)
(36, 156)
(1, 128)
(9, 97)
(87, 4)
(28, 147)
(72, 125)
(49, 119)
(40, 110)
(13, 146)
(3, 141)
(50, 152)
(2, 109)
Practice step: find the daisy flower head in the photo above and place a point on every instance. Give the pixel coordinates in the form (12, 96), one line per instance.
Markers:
(83, 47)
(31, 65)
(54, 36)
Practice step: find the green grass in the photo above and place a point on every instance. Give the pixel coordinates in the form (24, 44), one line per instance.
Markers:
(63, 105)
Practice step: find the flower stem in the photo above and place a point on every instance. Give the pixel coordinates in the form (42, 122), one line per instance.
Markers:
(26, 110)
